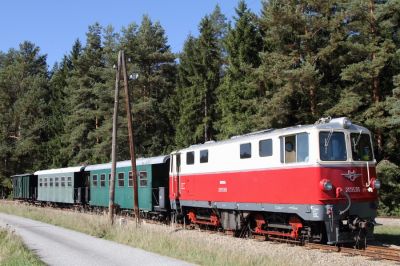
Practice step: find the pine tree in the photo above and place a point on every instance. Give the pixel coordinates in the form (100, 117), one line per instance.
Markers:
(296, 70)
(238, 95)
(85, 87)
(203, 58)
(152, 60)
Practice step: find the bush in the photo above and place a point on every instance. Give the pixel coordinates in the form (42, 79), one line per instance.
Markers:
(389, 196)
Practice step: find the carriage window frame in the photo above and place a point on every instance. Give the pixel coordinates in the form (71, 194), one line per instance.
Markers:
(40, 182)
(56, 183)
(204, 156)
(94, 180)
(245, 150)
(69, 181)
(45, 182)
(102, 180)
(62, 182)
(143, 178)
(130, 179)
(121, 181)
(50, 182)
(269, 148)
(190, 157)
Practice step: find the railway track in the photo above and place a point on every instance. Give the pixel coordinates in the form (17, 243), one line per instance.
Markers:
(375, 252)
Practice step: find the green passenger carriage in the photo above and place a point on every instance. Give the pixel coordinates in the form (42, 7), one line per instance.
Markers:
(63, 185)
(152, 176)
(25, 186)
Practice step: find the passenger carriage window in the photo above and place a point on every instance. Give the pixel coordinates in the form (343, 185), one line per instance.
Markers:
(190, 157)
(295, 148)
(45, 182)
(56, 182)
(130, 180)
(63, 181)
(143, 179)
(121, 181)
(204, 156)
(70, 181)
(245, 150)
(40, 182)
(265, 147)
(95, 180)
(51, 182)
(102, 180)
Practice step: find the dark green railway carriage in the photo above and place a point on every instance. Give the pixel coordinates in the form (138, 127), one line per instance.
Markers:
(63, 186)
(152, 176)
(24, 186)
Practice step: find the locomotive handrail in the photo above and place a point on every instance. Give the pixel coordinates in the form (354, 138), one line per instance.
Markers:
(348, 200)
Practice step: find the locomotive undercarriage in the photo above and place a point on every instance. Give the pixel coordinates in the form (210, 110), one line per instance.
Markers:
(347, 228)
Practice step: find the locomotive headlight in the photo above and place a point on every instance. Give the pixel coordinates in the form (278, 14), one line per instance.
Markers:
(376, 184)
(326, 185)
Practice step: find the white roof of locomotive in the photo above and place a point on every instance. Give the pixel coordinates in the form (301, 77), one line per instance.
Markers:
(127, 163)
(60, 170)
(332, 125)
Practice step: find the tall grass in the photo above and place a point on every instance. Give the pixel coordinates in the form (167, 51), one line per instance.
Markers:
(199, 248)
(13, 252)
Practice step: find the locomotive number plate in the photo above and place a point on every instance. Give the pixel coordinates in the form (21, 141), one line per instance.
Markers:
(352, 189)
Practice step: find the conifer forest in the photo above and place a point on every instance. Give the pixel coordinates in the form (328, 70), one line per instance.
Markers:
(290, 63)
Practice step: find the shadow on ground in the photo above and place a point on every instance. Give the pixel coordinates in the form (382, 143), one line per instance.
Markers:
(388, 239)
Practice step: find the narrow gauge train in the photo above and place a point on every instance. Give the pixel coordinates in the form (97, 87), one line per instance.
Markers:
(315, 182)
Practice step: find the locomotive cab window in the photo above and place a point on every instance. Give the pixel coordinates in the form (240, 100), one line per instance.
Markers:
(332, 146)
(143, 179)
(190, 157)
(245, 150)
(294, 148)
(95, 180)
(121, 179)
(204, 156)
(265, 148)
(361, 149)
(102, 180)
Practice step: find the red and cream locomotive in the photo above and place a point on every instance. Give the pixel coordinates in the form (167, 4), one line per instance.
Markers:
(314, 182)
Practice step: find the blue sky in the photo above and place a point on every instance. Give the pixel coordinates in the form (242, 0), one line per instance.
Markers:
(54, 25)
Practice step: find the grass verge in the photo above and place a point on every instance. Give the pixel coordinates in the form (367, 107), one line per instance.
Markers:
(164, 240)
(387, 234)
(13, 252)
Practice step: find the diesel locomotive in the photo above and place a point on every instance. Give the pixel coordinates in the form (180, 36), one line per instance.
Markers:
(312, 183)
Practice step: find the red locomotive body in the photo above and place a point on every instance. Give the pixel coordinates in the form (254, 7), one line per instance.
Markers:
(315, 182)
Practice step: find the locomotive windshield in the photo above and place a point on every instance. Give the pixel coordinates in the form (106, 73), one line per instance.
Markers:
(332, 146)
(361, 147)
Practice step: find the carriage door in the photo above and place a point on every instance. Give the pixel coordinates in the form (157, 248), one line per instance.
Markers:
(175, 168)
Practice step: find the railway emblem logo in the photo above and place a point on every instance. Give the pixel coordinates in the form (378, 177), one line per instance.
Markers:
(351, 175)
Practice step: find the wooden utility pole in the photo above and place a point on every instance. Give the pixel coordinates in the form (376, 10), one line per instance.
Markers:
(131, 139)
(114, 143)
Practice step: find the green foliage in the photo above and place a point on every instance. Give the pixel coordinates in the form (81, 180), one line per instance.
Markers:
(389, 174)
(292, 64)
